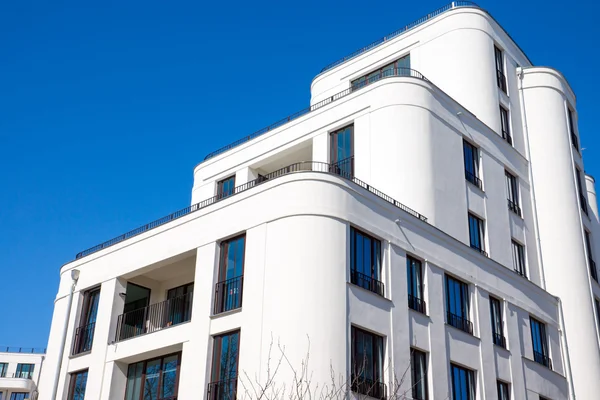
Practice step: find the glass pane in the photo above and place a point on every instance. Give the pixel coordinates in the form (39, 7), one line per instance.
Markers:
(169, 378)
(152, 379)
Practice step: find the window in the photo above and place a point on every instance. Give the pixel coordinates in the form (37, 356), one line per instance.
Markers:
(418, 368)
(500, 69)
(367, 363)
(471, 155)
(19, 396)
(505, 125)
(228, 292)
(574, 140)
(463, 383)
(588, 248)
(25, 371)
(414, 280)
(582, 199)
(497, 322)
(476, 234)
(399, 67)
(226, 187)
(597, 303)
(503, 392)
(3, 369)
(223, 384)
(179, 304)
(365, 261)
(540, 343)
(544, 398)
(512, 190)
(84, 334)
(342, 151)
(154, 379)
(77, 385)
(519, 258)
(457, 304)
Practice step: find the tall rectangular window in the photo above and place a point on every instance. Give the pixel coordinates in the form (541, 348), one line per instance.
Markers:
(77, 383)
(365, 261)
(540, 343)
(154, 379)
(503, 392)
(471, 156)
(497, 322)
(463, 383)
(228, 291)
(367, 363)
(512, 192)
(518, 253)
(414, 280)
(3, 369)
(226, 187)
(597, 304)
(500, 77)
(582, 198)
(418, 368)
(84, 334)
(476, 233)
(574, 140)
(224, 374)
(25, 371)
(457, 304)
(588, 248)
(342, 151)
(179, 304)
(505, 125)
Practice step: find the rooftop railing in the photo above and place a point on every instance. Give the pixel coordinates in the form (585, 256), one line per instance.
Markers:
(304, 166)
(29, 350)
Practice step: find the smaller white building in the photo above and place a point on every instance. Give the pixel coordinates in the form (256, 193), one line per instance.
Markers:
(20, 369)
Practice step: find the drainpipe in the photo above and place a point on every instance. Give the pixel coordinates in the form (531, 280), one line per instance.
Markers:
(565, 349)
(75, 278)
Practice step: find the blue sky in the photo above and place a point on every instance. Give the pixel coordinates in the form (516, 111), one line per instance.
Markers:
(106, 108)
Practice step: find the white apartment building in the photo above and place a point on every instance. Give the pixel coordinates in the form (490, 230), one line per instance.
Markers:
(20, 369)
(423, 230)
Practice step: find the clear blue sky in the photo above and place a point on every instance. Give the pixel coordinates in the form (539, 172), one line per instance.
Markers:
(105, 109)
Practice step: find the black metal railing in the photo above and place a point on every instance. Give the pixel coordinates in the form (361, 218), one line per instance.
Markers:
(84, 338)
(388, 37)
(479, 249)
(22, 375)
(514, 207)
(499, 339)
(583, 202)
(366, 282)
(501, 80)
(574, 140)
(520, 272)
(303, 166)
(469, 176)
(459, 323)
(386, 73)
(506, 136)
(368, 387)
(223, 390)
(343, 168)
(542, 359)
(16, 349)
(417, 304)
(154, 317)
(593, 270)
(228, 294)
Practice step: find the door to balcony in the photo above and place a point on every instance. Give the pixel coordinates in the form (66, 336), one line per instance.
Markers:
(133, 321)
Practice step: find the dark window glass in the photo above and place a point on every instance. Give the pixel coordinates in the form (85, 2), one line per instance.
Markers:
(179, 304)
(588, 248)
(400, 67)
(476, 233)
(597, 309)
(367, 363)
(503, 392)
(365, 261)
(574, 140)
(154, 379)
(471, 156)
(582, 198)
(84, 334)
(457, 304)
(414, 280)
(512, 192)
(25, 371)
(19, 396)
(497, 322)
(540, 343)
(226, 187)
(77, 385)
(463, 383)
(518, 252)
(418, 365)
(223, 384)
(3, 369)
(501, 78)
(228, 292)
(505, 125)
(342, 151)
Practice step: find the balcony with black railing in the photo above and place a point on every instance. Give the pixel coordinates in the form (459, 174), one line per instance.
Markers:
(593, 270)
(84, 338)
(542, 359)
(417, 304)
(514, 207)
(27, 350)
(228, 294)
(499, 340)
(368, 387)
(501, 80)
(223, 390)
(583, 203)
(154, 317)
(459, 323)
(367, 282)
(479, 249)
(470, 177)
(506, 136)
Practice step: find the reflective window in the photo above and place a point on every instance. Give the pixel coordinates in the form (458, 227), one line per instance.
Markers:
(463, 383)
(77, 385)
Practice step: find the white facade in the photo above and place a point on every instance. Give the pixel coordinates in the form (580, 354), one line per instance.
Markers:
(20, 370)
(407, 142)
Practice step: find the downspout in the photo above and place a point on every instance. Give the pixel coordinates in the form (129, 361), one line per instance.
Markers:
(75, 278)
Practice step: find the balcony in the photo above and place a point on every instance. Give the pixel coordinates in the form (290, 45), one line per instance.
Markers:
(506, 136)
(470, 177)
(459, 323)
(514, 207)
(23, 350)
(583, 202)
(223, 390)
(84, 337)
(414, 303)
(367, 387)
(499, 340)
(501, 80)
(17, 382)
(367, 282)
(542, 359)
(228, 294)
(479, 249)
